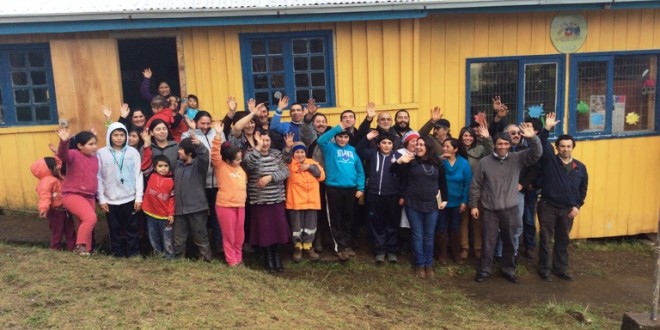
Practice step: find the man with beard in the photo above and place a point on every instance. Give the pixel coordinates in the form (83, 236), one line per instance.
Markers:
(402, 122)
(383, 125)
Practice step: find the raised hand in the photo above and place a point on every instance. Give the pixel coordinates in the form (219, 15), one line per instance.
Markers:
(107, 112)
(124, 110)
(218, 126)
(497, 103)
(371, 110)
(252, 106)
(482, 130)
(190, 123)
(344, 126)
(312, 107)
(288, 140)
(147, 73)
(283, 103)
(436, 114)
(258, 140)
(372, 134)
(146, 137)
(93, 130)
(480, 119)
(405, 158)
(231, 104)
(527, 130)
(551, 121)
(53, 148)
(194, 139)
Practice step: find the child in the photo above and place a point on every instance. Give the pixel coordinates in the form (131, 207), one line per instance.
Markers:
(189, 106)
(47, 170)
(158, 204)
(80, 184)
(303, 197)
(191, 208)
(120, 190)
(230, 200)
(173, 120)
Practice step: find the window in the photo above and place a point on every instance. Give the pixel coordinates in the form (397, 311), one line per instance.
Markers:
(27, 95)
(529, 86)
(296, 64)
(613, 94)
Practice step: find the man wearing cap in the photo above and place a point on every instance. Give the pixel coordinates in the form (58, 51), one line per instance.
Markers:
(383, 124)
(344, 184)
(495, 188)
(440, 127)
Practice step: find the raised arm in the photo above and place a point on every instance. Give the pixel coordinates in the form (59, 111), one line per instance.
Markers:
(146, 83)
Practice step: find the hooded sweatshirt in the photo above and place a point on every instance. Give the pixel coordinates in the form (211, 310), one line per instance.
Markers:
(49, 187)
(343, 167)
(119, 177)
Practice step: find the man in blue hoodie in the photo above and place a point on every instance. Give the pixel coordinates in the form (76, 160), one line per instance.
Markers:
(344, 183)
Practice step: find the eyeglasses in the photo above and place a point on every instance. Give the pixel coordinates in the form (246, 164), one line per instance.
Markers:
(514, 133)
(385, 119)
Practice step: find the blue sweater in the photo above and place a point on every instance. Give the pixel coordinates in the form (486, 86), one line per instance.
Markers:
(343, 168)
(459, 177)
(278, 126)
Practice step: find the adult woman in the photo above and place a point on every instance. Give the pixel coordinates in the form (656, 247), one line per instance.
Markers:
(423, 178)
(266, 175)
(201, 126)
(132, 118)
(459, 175)
(474, 145)
(163, 87)
(158, 141)
(242, 133)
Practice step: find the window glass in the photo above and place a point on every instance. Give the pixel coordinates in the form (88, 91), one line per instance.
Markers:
(635, 77)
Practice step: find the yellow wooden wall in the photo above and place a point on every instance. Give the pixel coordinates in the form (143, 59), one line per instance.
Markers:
(412, 64)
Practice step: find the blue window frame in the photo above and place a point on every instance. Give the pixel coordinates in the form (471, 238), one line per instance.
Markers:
(296, 64)
(614, 94)
(27, 92)
(530, 86)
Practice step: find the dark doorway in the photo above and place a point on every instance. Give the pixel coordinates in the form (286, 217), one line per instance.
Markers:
(159, 54)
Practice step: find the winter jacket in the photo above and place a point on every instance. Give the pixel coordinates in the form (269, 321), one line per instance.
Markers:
(81, 171)
(171, 151)
(421, 182)
(119, 176)
(232, 181)
(189, 182)
(302, 187)
(381, 181)
(343, 167)
(174, 122)
(49, 187)
(483, 148)
(562, 187)
(257, 166)
(207, 140)
(158, 199)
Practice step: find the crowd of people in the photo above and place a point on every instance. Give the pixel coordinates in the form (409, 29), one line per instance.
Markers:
(247, 181)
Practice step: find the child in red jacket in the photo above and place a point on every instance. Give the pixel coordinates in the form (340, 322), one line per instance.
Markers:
(158, 205)
(47, 170)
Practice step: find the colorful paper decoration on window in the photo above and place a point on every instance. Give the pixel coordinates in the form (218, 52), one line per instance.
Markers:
(535, 111)
(582, 107)
(597, 119)
(632, 118)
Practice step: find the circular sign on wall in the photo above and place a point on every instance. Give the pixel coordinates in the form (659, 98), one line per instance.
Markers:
(568, 32)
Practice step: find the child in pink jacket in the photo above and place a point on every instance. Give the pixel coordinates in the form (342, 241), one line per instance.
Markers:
(47, 170)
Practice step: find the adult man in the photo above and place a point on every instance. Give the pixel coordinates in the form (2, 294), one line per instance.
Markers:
(563, 192)
(296, 112)
(402, 122)
(383, 124)
(495, 188)
(348, 118)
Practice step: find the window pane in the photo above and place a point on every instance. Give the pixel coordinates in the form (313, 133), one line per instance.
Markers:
(319, 95)
(316, 46)
(277, 81)
(300, 46)
(17, 60)
(302, 80)
(260, 81)
(318, 79)
(591, 99)
(275, 47)
(22, 96)
(635, 78)
(43, 113)
(276, 63)
(302, 96)
(24, 113)
(261, 97)
(36, 59)
(258, 47)
(490, 79)
(540, 89)
(300, 63)
(19, 79)
(38, 77)
(318, 63)
(258, 64)
(40, 95)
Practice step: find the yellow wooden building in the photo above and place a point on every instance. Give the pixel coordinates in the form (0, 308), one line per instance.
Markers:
(61, 62)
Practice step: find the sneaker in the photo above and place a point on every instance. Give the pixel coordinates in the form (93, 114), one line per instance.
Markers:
(349, 252)
(81, 250)
(312, 255)
(391, 257)
(380, 258)
(297, 255)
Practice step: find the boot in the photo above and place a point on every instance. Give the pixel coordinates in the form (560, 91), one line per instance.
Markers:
(455, 243)
(318, 245)
(420, 272)
(441, 247)
(312, 255)
(269, 263)
(277, 259)
(297, 252)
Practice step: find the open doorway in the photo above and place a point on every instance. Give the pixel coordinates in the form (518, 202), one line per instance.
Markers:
(159, 54)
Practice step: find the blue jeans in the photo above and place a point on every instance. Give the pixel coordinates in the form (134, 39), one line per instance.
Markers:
(449, 219)
(422, 226)
(519, 231)
(159, 237)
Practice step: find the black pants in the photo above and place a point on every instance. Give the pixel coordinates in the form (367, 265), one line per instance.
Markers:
(340, 203)
(122, 218)
(384, 214)
(194, 223)
(505, 222)
(556, 224)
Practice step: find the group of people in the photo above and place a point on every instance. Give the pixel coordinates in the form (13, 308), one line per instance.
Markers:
(253, 180)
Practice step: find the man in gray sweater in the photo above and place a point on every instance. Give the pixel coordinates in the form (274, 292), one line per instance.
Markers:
(494, 194)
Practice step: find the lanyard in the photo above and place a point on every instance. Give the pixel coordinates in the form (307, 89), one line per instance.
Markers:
(119, 164)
